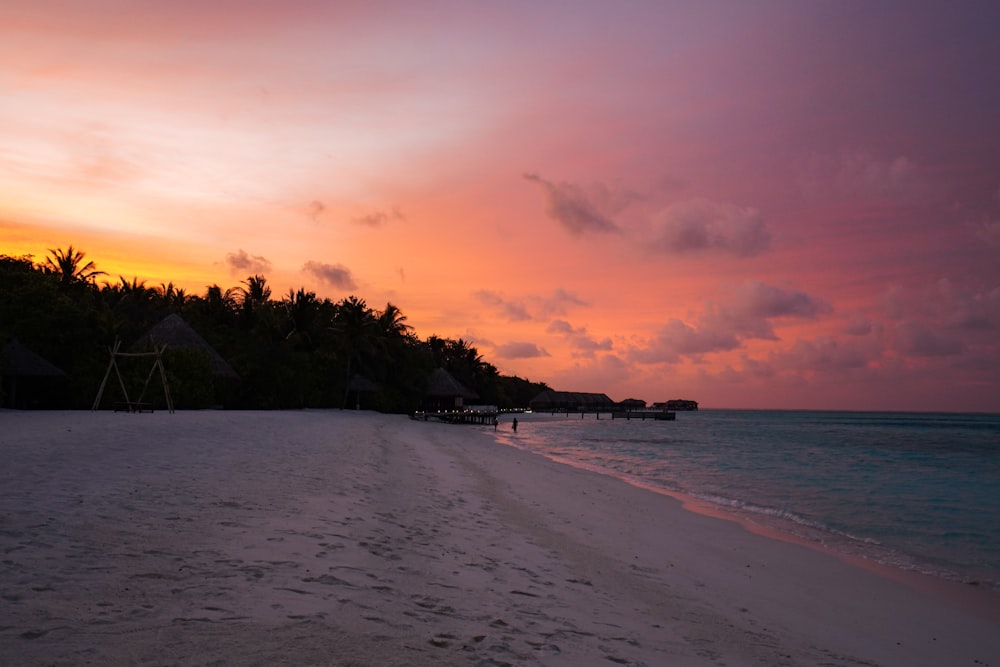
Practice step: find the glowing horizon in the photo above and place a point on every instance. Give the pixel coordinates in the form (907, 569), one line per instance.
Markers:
(741, 204)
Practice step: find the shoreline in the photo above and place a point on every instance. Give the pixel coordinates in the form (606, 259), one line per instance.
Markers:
(789, 526)
(329, 537)
(914, 576)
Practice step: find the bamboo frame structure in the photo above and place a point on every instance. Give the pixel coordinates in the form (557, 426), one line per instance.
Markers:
(137, 405)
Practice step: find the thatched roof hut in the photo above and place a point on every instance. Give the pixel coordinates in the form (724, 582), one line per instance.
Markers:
(359, 384)
(19, 361)
(174, 332)
(444, 392)
(571, 401)
(35, 373)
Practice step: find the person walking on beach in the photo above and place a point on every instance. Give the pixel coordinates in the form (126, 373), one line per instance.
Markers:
(515, 424)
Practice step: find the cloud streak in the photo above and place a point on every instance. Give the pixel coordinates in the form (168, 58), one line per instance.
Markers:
(334, 275)
(242, 262)
(379, 218)
(519, 350)
(578, 211)
(701, 225)
(579, 339)
(749, 315)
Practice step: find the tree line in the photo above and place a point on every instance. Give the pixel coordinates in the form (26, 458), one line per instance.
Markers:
(295, 351)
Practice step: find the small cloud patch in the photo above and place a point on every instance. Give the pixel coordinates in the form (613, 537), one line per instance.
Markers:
(335, 275)
(242, 262)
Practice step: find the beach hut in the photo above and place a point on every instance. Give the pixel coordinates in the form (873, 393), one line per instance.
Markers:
(35, 374)
(630, 404)
(175, 333)
(676, 404)
(571, 401)
(359, 384)
(444, 392)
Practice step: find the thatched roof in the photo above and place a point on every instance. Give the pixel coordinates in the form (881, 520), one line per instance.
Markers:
(441, 384)
(174, 332)
(570, 400)
(19, 361)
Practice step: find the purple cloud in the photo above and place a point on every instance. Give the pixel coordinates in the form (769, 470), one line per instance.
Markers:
(379, 218)
(701, 225)
(824, 354)
(762, 300)
(724, 328)
(919, 340)
(519, 350)
(578, 338)
(559, 302)
(574, 208)
(241, 262)
(858, 326)
(335, 275)
(316, 209)
(512, 311)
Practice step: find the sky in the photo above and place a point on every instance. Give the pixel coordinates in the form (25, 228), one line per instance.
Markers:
(749, 204)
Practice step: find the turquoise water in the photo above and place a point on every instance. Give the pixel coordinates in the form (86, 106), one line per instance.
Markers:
(916, 491)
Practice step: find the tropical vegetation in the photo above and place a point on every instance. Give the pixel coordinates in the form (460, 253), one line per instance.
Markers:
(295, 351)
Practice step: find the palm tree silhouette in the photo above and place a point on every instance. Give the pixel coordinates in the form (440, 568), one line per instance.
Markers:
(301, 311)
(68, 265)
(256, 294)
(392, 322)
(357, 327)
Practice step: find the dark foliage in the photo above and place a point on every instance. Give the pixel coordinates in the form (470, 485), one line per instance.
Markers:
(296, 352)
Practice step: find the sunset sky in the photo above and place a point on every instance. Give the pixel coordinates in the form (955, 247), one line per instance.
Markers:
(748, 204)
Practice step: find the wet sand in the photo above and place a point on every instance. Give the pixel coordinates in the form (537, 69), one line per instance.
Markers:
(343, 538)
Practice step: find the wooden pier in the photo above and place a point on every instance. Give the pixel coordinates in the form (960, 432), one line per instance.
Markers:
(657, 415)
(489, 417)
(482, 417)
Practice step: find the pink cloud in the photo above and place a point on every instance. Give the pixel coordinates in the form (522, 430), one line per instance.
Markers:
(379, 218)
(578, 210)
(519, 350)
(916, 339)
(758, 299)
(858, 326)
(335, 275)
(969, 310)
(511, 311)
(316, 209)
(578, 338)
(721, 328)
(825, 354)
(701, 225)
(241, 262)
(559, 302)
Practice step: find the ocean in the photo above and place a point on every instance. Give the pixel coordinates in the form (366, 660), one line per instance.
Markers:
(915, 491)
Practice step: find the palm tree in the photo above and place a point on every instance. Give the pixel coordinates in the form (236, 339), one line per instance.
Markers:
(68, 265)
(255, 297)
(463, 361)
(173, 298)
(392, 322)
(301, 310)
(356, 326)
(221, 304)
(255, 290)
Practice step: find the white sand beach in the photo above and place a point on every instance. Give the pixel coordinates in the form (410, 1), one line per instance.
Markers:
(345, 538)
